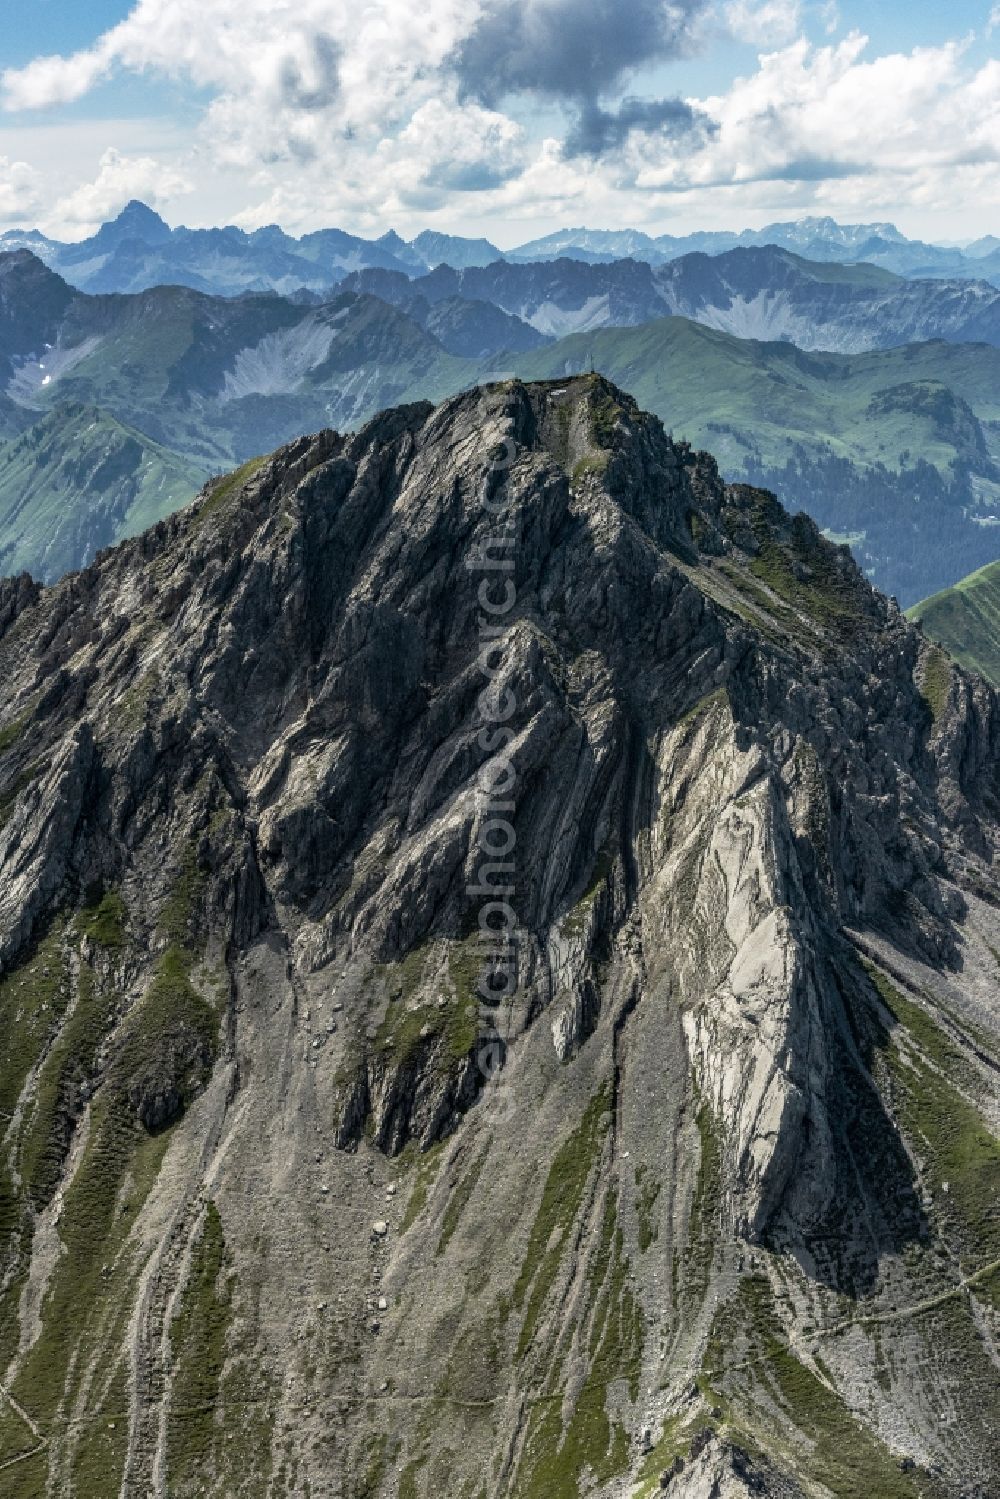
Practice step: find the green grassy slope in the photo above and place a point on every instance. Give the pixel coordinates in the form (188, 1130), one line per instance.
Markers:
(832, 272)
(966, 621)
(898, 450)
(741, 398)
(78, 480)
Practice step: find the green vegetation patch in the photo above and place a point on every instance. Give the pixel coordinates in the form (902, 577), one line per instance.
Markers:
(78, 462)
(408, 1479)
(409, 1023)
(803, 571)
(224, 489)
(988, 1289)
(99, 1460)
(33, 997)
(562, 1197)
(131, 710)
(427, 1164)
(136, 1078)
(706, 1206)
(85, 1311)
(68, 1070)
(558, 1462)
(700, 710)
(931, 1082)
(829, 1443)
(167, 1046)
(595, 463)
(966, 621)
(104, 923)
(11, 733)
(25, 1479)
(604, 414)
(936, 682)
(180, 910)
(198, 1337)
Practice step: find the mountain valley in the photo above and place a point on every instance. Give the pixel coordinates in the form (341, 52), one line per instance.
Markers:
(895, 449)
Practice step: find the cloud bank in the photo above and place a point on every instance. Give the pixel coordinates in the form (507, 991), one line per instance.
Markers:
(385, 112)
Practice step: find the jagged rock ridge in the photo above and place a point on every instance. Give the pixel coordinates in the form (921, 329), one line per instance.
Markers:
(725, 1219)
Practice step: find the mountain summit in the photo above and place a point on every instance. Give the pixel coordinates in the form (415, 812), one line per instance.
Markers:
(498, 932)
(138, 222)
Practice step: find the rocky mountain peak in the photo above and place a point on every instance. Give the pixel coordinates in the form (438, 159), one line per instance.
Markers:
(489, 850)
(137, 221)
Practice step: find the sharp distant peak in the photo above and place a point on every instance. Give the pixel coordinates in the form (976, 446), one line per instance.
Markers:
(137, 220)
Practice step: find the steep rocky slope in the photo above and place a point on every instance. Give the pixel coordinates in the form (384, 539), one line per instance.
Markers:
(702, 1197)
(895, 450)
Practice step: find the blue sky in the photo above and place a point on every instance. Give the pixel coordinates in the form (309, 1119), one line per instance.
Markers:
(35, 27)
(503, 116)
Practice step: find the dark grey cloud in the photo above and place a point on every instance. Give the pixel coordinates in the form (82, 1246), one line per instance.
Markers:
(814, 169)
(575, 50)
(579, 53)
(598, 131)
(316, 86)
(470, 176)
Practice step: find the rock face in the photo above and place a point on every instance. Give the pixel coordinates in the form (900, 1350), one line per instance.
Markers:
(499, 948)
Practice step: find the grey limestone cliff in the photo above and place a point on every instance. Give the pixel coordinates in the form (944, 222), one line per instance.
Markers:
(304, 1189)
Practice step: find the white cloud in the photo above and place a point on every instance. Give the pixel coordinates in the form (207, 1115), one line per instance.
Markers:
(764, 23)
(119, 179)
(289, 57)
(19, 191)
(311, 87)
(320, 112)
(994, 20)
(920, 125)
(829, 13)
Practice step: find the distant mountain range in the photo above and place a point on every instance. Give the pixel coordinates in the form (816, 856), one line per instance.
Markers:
(814, 238)
(764, 293)
(897, 450)
(138, 250)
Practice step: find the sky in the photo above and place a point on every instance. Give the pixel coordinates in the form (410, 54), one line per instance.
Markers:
(508, 118)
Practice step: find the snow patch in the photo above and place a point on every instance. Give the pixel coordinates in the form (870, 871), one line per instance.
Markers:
(32, 374)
